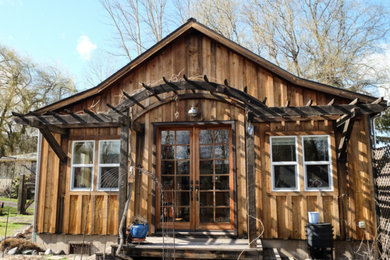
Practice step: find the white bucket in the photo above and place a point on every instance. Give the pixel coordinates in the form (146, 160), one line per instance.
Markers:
(313, 217)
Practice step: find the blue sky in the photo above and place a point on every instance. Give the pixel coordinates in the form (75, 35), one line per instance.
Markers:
(54, 32)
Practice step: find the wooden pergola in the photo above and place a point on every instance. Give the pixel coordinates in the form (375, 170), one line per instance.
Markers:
(256, 111)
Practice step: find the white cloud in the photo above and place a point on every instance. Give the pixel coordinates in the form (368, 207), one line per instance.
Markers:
(85, 47)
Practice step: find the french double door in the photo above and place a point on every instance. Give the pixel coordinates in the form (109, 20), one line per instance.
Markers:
(195, 171)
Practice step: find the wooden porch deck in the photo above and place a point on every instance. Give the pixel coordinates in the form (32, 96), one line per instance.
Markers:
(192, 248)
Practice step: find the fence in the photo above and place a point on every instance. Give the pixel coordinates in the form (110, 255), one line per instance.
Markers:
(381, 161)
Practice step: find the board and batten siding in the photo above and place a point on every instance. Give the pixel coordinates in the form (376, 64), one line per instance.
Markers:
(284, 214)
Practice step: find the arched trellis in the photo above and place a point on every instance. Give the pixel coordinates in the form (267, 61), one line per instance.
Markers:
(258, 111)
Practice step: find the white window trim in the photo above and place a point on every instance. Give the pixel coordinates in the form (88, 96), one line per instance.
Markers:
(106, 165)
(329, 163)
(82, 165)
(296, 163)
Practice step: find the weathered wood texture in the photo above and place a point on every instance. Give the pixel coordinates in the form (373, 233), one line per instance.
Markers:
(284, 214)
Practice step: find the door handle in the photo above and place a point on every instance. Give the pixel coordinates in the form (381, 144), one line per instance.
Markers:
(197, 190)
(192, 190)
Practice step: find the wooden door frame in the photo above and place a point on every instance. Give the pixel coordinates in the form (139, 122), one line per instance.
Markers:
(229, 123)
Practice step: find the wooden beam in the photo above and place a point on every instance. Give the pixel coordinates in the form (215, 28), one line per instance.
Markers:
(93, 115)
(377, 101)
(250, 179)
(151, 91)
(115, 110)
(340, 121)
(355, 101)
(75, 116)
(345, 135)
(53, 143)
(331, 102)
(133, 99)
(309, 103)
(123, 168)
(172, 86)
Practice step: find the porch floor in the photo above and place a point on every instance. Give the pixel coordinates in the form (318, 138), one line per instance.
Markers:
(192, 248)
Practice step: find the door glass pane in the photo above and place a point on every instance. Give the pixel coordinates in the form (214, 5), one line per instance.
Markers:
(206, 182)
(222, 167)
(222, 198)
(182, 214)
(222, 215)
(206, 152)
(167, 198)
(167, 152)
(167, 182)
(206, 137)
(206, 199)
(167, 167)
(221, 182)
(206, 167)
(221, 151)
(221, 136)
(182, 199)
(182, 137)
(183, 152)
(167, 137)
(206, 215)
(183, 167)
(183, 183)
(167, 214)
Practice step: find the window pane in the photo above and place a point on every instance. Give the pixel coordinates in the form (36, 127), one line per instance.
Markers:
(221, 182)
(222, 198)
(206, 199)
(206, 182)
(221, 136)
(317, 176)
(316, 148)
(167, 167)
(222, 215)
(221, 151)
(206, 137)
(109, 151)
(183, 167)
(284, 176)
(182, 214)
(167, 137)
(206, 167)
(182, 198)
(283, 149)
(183, 152)
(167, 182)
(222, 167)
(182, 137)
(206, 215)
(83, 153)
(167, 152)
(206, 152)
(183, 183)
(82, 177)
(109, 177)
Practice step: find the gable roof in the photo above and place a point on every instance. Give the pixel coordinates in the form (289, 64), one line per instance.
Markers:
(192, 24)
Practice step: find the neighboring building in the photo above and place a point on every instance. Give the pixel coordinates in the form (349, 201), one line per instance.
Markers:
(261, 142)
(12, 167)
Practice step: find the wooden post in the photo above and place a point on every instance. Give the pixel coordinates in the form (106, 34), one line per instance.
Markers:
(22, 193)
(123, 168)
(250, 179)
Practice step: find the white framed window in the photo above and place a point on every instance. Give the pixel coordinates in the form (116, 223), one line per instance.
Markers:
(109, 156)
(317, 165)
(284, 163)
(83, 154)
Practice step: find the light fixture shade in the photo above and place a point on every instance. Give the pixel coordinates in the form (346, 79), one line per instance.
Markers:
(193, 112)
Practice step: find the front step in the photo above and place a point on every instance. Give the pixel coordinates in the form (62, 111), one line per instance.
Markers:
(192, 248)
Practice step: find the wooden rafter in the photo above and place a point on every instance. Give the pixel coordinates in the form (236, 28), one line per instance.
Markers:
(347, 124)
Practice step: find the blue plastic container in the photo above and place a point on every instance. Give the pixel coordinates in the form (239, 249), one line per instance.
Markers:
(139, 230)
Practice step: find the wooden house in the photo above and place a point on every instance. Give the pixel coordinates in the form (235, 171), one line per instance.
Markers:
(207, 137)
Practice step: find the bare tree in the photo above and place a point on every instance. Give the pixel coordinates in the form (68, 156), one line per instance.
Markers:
(25, 86)
(323, 40)
(130, 17)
